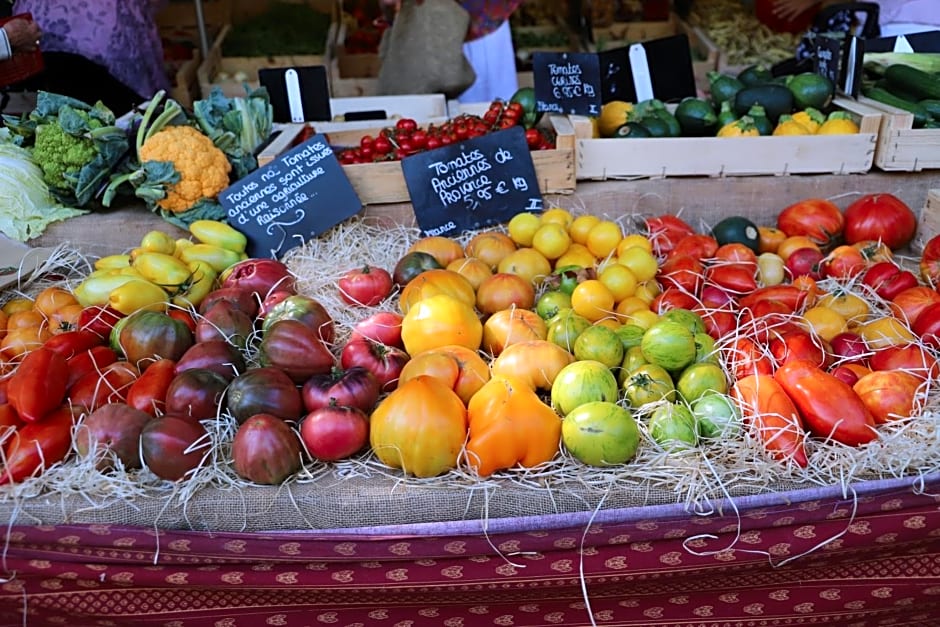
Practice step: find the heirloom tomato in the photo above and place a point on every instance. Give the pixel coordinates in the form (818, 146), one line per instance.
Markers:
(911, 358)
(195, 394)
(697, 245)
(510, 326)
(112, 433)
(648, 383)
(830, 407)
(305, 310)
(927, 325)
(296, 349)
(384, 362)
(367, 286)
(382, 326)
(908, 304)
(266, 450)
(581, 382)
(352, 387)
(433, 282)
(444, 249)
(219, 356)
(266, 390)
(259, 277)
(334, 432)
(148, 392)
(843, 262)
(38, 384)
(458, 367)
(772, 416)
(888, 280)
(473, 269)
(881, 217)
(173, 447)
(412, 264)
(224, 321)
(109, 385)
(888, 394)
(930, 262)
(600, 434)
(819, 219)
(665, 231)
(438, 321)
(146, 335)
(535, 362)
(36, 446)
(504, 290)
(420, 427)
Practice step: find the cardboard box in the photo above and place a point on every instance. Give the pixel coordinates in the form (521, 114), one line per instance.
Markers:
(728, 156)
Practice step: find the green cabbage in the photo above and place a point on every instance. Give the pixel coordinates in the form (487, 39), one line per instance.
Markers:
(26, 205)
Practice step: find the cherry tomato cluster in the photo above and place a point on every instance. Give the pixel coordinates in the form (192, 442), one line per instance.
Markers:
(408, 138)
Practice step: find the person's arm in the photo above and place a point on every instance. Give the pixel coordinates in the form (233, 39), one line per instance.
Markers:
(19, 35)
(789, 9)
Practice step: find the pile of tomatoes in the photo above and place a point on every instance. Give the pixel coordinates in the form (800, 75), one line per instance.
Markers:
(408, 138)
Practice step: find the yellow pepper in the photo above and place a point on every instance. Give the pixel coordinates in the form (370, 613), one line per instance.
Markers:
(158, 242)
(137, 294)
(111, 262)
(96, 288)
(219, 234)
(510, 425)
(202, 281)
(216, 256)
(164, 270)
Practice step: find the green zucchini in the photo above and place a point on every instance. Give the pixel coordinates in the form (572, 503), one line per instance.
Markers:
(696, 117)
(776, 100)
(886, 97)
(897, 91)
(811, 90)
(932, 106)
(755, 75)
(723, 87)
(918, 82)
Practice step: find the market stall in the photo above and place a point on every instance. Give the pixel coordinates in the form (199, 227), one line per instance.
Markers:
(139, 499)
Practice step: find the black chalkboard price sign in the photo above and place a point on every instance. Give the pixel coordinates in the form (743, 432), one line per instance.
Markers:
(567, 82)
(830, 56)
(473, 184)
(302, 193)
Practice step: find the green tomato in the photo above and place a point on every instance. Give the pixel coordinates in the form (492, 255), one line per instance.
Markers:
(672, 426)
(716, 416)
(600, 433)
(648, 383)
(565, 328)
(567, 278)
(630, 335)
(551, 303)
(701, 378)
(581, 382)
(669, 344)
(600, 344)
(632, 360)
(686, 317)
(705, 348)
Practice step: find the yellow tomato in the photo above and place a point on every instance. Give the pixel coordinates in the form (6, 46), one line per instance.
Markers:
(473, 269)
(604, 238)
(137, 294)
(592, 299)
(644, 318)
(557, 215)
(219, 258)
(490, 247)
(439, 321)
(884, 332)
(631, 304)
(443, 249)
(528, 263)
(853, 308)
(793, 243)
(164, 270)
(647, 291)
(611, 322)
(201, 282)
(17, 304)
(826, 323)
(112, 262)
(95, 290)
(641, 262)
(159, 242)
(619, 279)
(523, 226)
(634, 239)
(770, 269)
(576, 255)
(552, 240)
(433, 282)
(581, 226)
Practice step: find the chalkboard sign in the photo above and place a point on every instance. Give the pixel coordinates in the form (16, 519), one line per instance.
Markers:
(301, 193)
(567, 82)
(830, 56)
(659, 68)
(473, 184)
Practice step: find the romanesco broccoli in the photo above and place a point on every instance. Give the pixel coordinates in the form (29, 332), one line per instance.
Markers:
(59, 153)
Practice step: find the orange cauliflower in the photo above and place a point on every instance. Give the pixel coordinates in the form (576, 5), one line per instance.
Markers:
(203, 168)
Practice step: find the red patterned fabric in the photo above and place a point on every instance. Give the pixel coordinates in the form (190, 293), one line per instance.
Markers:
(803, 558)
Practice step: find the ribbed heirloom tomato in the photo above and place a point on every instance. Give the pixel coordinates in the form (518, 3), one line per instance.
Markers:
(816, 218)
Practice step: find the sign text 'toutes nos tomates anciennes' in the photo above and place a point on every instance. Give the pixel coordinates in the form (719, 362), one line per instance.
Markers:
(301, 193)
(472, 184)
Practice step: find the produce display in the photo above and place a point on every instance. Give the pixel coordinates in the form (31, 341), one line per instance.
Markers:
(900, 83)
(741, 37)
(749, 104)
(285, 28)
(636, 349)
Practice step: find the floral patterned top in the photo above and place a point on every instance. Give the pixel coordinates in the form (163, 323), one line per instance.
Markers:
(120, 35)
(487, 15)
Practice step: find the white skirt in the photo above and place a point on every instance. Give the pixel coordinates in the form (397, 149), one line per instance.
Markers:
(494, 61)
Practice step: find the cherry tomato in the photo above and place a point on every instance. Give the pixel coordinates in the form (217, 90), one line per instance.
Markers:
(406, 124)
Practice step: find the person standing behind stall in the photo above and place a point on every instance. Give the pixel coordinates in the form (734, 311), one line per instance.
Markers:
(489, 49)
(18, 35)
(108, 50)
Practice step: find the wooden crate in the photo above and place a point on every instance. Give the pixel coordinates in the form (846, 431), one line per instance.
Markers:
(929, 223)
(727, 156)
(380, 183)
(901, 147)
(351, 75)
(220, 71)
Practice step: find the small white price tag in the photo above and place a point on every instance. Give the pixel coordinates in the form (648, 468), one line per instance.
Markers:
(294, 101)
(640, 68)
(901, 44)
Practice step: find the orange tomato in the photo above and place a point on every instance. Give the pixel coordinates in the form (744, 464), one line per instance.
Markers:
(769, 239)
(472, 269)
(17, 304)
(536, 362)
(490, 247)
(581, 226)
(26, 319)
(65, 319)
(444, 249)
(432, 282)
(794, 243)
(511, 326)
(552, 240)
(504, 290)
(440, 320)
(527, 263)
(20, 341)
(592, 300)
(458, 367)
(51, 299)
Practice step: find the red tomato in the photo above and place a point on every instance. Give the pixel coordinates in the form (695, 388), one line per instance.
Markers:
(930, 262)
(737, 278)
(880, 217)
(89, 361)
(927, 325)
(367, 286)
(843, 262)
(736, 252)
(71, 343)
(383, 327)
(718, 323)
(665, 231)
(816, 218)
(770, 412)
(38, 384)
(682, 272)
(673, 298)
(830, 407)
(888, 280)
(110, 385)
(385, 362)
(38, 445)
(792, 296)
(714, 297)
(743, 357)
(148, 392)
(799, 345)
(8, 420)
(99, 319)
(804, 262)
(888, 394)
(911, 358)
(696, 245)
(909, 303)
(183, 316)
